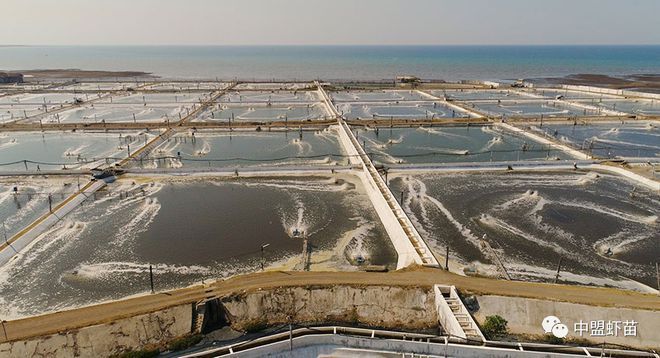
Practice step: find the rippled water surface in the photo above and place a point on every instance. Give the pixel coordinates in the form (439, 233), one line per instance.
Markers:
(600, 225)
(190, 230)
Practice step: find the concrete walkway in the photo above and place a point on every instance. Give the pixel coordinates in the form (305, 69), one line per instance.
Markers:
(537, 138)
(470, 111)
(408, 243)
(25, 237)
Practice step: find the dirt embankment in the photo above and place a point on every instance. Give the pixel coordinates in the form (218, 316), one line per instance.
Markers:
(82, 74)
(640, 82)
(417, 276)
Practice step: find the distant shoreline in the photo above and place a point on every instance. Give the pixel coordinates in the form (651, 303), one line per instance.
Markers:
(645, 82)
(81, 74)
(365, 63)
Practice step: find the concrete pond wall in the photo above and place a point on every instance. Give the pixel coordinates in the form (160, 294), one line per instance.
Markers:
(525, 315)
(401, 308)
(390, 307)
(407, 308)
(107, 339)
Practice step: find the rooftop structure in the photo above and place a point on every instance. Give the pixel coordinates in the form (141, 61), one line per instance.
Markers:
(11, 77)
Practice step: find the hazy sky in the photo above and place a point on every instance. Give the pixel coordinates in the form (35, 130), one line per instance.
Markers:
(250, 22)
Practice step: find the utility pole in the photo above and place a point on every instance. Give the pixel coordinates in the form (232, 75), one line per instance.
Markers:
(447, 259)
(263, 247)
(151, 278)
(290, 336)
(4, 232)
(657, 275)
(558, 268)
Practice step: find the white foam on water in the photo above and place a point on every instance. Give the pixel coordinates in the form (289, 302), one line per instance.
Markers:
(496, 223)
(542, 181)
(321, 161)
(443, 150)
(640, 219)
(143, 216)
(526, 197)
(297, 185)
(537, 129)
(588, 178)
(496, 140)
(440, 132)
(135, 194)
(519, 269)
(565, 139)
(553, 231)
(330, 134)
(533, 197)
(9, 311)
(377, 147)
(627, 144)
(619, 243)
(494, 131)
(29, 208)
(206, 148)
(75, 152)
(359, 234)
(8, 143)
(466, 232)
(302, 146)
(296, 222)
(641, 132)
(612, 131)
(166, 148)
(64, 233)
(5, 196)
(417, 193)
(150, 164)
(104, 270)
(174, 163)
(398, 140)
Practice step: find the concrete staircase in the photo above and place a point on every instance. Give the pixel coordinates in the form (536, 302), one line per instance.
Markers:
(453, 316)
(464, 320)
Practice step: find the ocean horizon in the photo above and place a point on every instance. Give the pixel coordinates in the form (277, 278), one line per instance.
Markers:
(342, 62)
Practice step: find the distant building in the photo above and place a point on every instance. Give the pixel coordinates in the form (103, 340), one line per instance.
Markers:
(407, 79)
(11, 77)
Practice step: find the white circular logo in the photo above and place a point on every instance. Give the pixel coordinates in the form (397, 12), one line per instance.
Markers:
(560, 330)
(549, 322)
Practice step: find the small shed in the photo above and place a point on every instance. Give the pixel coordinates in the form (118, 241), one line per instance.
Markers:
(6, 77)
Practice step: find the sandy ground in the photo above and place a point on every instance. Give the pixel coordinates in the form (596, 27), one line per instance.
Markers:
(416, 276)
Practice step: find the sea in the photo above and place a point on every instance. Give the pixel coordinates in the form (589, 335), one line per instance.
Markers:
(449, 63)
